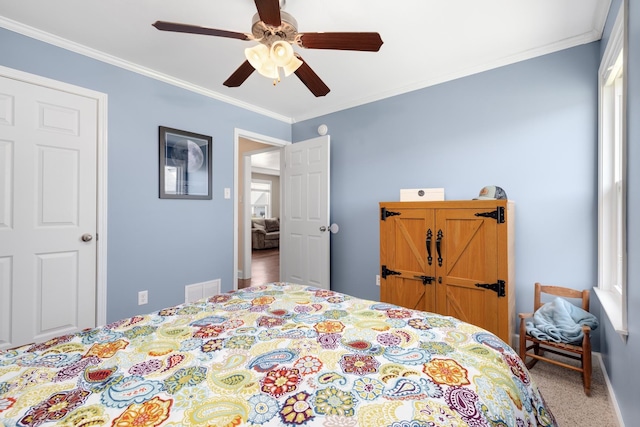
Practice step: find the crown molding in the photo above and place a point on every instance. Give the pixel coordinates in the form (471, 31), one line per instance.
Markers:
(588, 37)
(60, 42)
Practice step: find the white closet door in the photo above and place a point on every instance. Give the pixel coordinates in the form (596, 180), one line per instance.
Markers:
(48, 153)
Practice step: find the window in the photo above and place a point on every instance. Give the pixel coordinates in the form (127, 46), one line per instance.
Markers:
(260, 198)
(612, 264)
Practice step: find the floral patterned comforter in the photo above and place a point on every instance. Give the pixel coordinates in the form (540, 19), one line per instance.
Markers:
(274, 355)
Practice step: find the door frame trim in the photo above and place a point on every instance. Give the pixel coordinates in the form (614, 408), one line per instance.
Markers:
(102, 163)
(237, 134)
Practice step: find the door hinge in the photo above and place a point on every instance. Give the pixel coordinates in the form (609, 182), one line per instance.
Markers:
(498, 214)
(384, 214)
(386, 272)
(499, 287)
(426, 280)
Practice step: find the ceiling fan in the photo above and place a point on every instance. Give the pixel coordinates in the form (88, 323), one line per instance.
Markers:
(276, 31)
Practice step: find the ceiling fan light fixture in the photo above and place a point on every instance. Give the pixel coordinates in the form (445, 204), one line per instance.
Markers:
(257, 55)
(292, 66)
(269, 69)
(281, 53)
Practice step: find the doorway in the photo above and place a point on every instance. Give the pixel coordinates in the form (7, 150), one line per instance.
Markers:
(304, 221)
(262, 195)
(248, 144)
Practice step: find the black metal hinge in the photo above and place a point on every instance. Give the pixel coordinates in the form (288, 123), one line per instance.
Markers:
(499, 287)
(498, 214)
(386, 272)
(384, 214)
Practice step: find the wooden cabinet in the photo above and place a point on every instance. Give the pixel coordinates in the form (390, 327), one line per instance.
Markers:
(454, 258)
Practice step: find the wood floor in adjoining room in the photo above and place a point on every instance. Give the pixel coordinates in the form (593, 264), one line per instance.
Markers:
(265, 267)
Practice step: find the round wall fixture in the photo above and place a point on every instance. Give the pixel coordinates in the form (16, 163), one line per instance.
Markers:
(322, 129)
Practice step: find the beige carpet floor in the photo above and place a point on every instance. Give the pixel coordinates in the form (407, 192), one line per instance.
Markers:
(563, 392)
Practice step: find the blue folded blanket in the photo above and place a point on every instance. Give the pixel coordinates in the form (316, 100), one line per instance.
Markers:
(560, 321)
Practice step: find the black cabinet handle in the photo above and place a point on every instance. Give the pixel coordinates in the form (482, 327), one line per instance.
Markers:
(428, 243)
(438, 247)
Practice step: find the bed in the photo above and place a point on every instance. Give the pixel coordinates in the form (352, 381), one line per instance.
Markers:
(280, 354)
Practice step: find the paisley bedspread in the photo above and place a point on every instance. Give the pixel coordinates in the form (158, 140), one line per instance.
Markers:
(274, 355)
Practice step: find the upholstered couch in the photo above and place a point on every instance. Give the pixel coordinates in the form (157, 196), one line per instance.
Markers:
(265, 233)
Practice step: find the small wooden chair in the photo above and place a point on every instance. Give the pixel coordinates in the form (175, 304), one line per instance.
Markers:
(581, 352)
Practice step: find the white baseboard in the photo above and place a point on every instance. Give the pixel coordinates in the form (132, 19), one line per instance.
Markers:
(612, 394)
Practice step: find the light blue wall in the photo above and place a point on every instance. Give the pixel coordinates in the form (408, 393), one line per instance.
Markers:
(620, 357)
(529, 128)
(158, 245)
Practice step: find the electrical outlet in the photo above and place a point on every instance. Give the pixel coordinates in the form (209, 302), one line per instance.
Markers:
(143, 297)
(377, 280)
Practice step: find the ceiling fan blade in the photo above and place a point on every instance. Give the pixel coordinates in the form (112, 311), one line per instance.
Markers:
(194, 29)
(369, 42)
(240, 75)
(311, 79)
(269, 11)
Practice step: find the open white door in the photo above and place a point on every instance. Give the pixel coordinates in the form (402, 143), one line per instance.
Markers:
(304, 233)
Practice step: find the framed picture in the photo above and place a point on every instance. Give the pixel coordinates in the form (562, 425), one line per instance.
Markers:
(185, 164)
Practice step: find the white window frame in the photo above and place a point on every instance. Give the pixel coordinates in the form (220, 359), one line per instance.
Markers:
(268, 206)
(612, 175)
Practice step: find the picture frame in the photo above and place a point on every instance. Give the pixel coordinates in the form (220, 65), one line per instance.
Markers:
(185, 169)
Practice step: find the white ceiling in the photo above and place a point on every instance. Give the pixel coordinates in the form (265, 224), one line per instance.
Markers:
(267, 162)
(426, 42)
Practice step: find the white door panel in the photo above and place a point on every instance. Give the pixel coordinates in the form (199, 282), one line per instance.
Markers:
(294, 261)
(6, 284)
(56, 276)
(305, 253)
(317, 271)
(6, 174)
(47, 202)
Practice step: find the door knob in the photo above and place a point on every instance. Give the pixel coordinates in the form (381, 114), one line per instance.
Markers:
(332, 228)
(87, 237)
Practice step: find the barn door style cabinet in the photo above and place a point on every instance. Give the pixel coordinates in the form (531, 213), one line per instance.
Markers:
(451, 257)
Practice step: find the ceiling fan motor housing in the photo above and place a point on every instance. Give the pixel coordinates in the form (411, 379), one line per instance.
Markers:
(267, 34)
